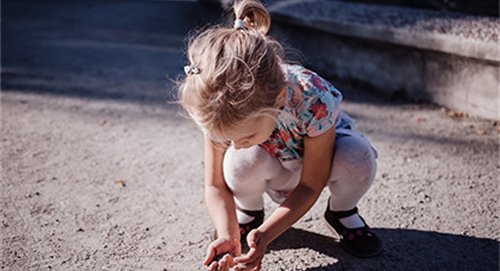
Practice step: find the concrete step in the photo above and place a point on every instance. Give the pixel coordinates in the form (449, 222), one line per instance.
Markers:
(447, 32)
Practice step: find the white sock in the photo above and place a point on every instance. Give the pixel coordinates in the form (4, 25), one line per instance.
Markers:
(352, 222)
(243, 218)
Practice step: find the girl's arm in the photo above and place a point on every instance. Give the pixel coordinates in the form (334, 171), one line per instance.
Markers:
(317, 161)
(219, 199)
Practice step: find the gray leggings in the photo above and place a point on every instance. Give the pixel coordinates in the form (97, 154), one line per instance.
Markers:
(249, 173)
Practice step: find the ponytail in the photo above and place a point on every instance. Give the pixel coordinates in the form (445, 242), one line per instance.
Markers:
(253, 14)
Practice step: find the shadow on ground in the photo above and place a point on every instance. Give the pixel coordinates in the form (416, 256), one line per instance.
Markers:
(401, 247)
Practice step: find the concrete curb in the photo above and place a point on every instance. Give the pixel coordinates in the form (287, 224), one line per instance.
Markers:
(445, 32)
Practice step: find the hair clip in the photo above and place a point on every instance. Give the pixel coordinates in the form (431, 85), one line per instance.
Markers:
(239, 24)
(191, 69)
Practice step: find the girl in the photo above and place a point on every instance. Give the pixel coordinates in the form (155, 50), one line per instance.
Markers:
(275, 128)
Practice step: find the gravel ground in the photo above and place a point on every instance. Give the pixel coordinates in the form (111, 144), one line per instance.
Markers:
(100, 172)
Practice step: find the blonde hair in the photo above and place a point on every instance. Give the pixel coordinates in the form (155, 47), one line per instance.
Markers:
(238, 72)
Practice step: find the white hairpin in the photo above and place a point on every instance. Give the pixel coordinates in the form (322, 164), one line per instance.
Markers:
(191, 69)
(239, 24)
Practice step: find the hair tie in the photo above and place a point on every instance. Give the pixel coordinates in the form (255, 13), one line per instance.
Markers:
(191, 69)
(239, 24)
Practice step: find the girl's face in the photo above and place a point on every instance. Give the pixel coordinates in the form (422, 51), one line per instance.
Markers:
(251, 132)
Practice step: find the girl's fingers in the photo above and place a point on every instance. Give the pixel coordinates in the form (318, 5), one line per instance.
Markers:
(211, 252)
(249, 257)
(229, 261)
(245, 258)
(256, 268)
(253, 238)
(208, 259)
(212, 267)
(251, 261)
(252, 265)
(248, 266)
(224, 263)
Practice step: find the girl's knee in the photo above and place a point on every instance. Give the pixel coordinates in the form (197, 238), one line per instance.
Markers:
(354, 161)
(245, 165)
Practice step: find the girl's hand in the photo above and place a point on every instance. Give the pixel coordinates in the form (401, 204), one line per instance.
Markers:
(220, 254)
(251, 261)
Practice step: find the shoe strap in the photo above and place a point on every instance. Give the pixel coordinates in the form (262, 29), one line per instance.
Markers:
(251, 213)
(342, 214)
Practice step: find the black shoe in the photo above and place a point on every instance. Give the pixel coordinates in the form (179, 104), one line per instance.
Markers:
(361, 242)
(245, 229)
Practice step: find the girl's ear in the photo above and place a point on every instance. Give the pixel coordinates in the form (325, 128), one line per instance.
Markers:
(281, 99)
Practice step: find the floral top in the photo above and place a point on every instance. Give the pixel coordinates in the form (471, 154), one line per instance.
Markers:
(315, 107)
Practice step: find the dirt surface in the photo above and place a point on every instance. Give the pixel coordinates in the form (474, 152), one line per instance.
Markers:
(100, 172)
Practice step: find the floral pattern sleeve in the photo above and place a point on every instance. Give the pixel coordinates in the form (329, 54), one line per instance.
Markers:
(321, 104)
(310, 110)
